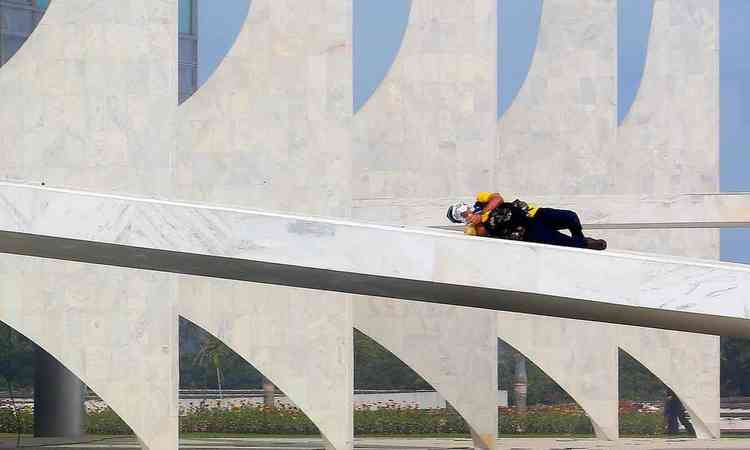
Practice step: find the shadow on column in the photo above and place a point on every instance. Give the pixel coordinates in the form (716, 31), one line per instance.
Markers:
(44, 403)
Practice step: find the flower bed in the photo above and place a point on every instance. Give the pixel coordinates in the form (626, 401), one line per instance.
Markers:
(382, 418)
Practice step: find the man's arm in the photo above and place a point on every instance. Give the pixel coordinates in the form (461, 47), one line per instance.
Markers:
(475, 230)
(494, 201)
(491, 201)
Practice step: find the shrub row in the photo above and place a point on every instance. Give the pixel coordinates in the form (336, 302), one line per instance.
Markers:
(386, 419)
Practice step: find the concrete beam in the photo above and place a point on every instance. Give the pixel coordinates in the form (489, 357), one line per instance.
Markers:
(413, 264)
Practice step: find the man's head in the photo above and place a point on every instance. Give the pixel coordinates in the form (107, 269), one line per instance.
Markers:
(458, 213)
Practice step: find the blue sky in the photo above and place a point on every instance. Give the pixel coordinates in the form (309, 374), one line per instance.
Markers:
(379, 27)
(735, 116)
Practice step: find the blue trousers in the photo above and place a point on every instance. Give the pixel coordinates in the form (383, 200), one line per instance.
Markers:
(545, 227)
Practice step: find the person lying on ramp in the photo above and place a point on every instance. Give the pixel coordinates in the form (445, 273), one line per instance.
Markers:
(492, 216)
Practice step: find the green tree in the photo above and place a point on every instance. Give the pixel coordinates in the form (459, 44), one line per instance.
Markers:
(200, 355)
(16, 366)
(636, 382)
(210, 355)
(377, 368)
(735, 366)
(16, 358)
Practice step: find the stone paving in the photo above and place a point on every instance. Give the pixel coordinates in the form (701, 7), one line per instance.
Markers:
(396, 444)
(561, 443)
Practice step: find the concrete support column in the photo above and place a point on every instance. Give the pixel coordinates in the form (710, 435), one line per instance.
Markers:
(269, 393)
(520, 383)
(58, 399)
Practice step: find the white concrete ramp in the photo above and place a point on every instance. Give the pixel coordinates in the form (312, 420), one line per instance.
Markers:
(407, 263)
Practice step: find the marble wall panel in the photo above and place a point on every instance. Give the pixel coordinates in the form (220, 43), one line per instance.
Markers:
(560, 137)
(270, 128)
(452, 348)
(89, 100)
(426, 131)
(114, 328)
(429, 128)
(686, 363)
(582, 358)
(273, 129)
(300, 340)
(579, 356)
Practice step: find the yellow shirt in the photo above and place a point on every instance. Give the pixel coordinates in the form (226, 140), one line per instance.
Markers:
(484, 197)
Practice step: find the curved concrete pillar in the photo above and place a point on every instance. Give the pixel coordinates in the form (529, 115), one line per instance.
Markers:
(114, 328)
(672, 128)
(89, 100)
(269, 129)
(579, 356)
(669, 141)
(671, 135)
(582, 358)
(552, 138)
(300, 340)
(452, 348)
(687, 363)
(428, 130)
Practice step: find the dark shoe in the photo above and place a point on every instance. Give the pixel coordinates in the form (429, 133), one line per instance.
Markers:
(596, 244)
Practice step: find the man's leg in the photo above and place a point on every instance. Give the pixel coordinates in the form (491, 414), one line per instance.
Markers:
(561, 219)
(671, 424)
(540, 233)
(685, 421)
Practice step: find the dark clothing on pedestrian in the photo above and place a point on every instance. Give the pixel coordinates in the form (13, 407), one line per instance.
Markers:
(674, 411)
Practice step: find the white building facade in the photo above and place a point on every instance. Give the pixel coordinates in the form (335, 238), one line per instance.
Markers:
(274, 129)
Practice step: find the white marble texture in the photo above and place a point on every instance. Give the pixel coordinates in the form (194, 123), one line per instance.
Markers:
(669, 142)
(429, 128)
(85, 103)
(729, 209)
(452, 348)
(271, 128)
(90, 98)
(433, 112)
(686, 363)
(114, 328)
(559, 145)
(301, 340)
(581, 357)
(664, 284)
(560, 139)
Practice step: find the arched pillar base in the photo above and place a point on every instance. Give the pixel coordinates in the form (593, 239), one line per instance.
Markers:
(483, 441)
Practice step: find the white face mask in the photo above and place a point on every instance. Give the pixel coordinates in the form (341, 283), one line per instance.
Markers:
(459, 210)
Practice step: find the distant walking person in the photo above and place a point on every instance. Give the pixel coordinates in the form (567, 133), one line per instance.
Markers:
(674, 411)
